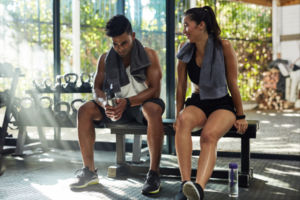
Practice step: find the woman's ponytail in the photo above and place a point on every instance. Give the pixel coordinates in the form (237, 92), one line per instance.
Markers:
(207, 15)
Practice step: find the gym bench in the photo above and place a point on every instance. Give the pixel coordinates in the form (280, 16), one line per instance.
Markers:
(135, 128)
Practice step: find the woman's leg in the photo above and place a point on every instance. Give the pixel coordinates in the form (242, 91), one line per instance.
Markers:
(217, 125)
(188, 119)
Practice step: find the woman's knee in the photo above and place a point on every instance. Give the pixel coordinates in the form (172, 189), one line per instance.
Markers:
(208, 137)
(184, 120)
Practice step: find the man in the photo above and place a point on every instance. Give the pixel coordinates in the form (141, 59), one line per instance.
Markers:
(135, 73)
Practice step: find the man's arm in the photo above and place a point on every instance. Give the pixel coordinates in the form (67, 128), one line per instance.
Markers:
(98, 95)
(153, 80)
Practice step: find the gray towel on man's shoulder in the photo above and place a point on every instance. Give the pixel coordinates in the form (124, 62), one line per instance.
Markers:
(115, 72)
(212, 81)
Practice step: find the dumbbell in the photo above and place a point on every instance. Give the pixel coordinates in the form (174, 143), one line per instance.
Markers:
(46, 114)
(2, 165)
(70, 86)
(75, 111)
(85, 84)
(63, 117)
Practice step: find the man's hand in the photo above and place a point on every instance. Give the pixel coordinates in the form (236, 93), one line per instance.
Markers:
(119, 109)
(109, 111)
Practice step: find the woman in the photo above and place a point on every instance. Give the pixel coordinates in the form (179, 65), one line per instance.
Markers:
(212, 68)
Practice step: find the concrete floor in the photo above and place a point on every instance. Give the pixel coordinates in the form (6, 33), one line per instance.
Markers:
(279, 133)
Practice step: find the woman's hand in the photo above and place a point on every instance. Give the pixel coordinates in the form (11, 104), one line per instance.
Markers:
(174, 125)
(241, 125)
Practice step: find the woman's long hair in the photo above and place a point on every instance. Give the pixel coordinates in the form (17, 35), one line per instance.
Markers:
(207, 15)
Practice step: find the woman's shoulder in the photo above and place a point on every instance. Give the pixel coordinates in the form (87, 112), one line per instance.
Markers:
(225, 44)
(181, 44)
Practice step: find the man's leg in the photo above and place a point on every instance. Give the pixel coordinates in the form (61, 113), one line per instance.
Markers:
(87, 113)
(155, 133)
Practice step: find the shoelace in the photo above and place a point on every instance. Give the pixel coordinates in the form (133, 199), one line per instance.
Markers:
(150, 178)
(80, 173)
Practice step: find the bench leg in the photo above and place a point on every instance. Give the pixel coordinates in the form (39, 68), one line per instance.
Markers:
(246, 173)
(43, 139)
(116, 170)
(137, 151)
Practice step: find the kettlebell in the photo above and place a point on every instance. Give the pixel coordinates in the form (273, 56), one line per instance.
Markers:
(85, 84)
(59, 87)
(46, 114)
(47, 83)
(28, 115)
(38, 84)
(4, 98)
(7, 69)
(2, 165)
(70, 86)
(63, 117)
(75, 111)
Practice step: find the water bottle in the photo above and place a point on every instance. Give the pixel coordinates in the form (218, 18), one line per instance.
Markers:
(111, 98)
(233, 180)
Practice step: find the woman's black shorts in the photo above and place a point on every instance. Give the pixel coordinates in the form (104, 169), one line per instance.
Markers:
(208, 106)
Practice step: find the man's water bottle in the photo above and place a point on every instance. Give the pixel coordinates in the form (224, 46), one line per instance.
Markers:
(233, 180)
(111, 98)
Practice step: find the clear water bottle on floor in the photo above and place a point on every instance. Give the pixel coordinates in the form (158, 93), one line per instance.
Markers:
(233, 180)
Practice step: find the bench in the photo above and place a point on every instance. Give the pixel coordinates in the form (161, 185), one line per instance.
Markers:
(135, 128)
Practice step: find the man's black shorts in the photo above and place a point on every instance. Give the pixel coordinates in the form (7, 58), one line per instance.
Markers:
(133, 113)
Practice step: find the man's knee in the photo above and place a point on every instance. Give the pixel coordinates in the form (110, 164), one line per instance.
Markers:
(89, 110)
(152, 110)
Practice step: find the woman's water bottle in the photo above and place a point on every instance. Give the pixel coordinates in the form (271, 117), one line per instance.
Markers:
(233, 180)
(111, 99)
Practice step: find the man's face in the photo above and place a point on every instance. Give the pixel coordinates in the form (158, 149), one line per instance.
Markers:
(123, 43)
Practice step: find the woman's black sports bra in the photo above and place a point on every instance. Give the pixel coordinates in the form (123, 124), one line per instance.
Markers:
(193, 69)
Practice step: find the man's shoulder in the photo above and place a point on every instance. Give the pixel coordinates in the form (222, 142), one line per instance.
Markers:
(151, 53)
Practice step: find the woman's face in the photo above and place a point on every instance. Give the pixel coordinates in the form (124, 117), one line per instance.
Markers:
(191, 30)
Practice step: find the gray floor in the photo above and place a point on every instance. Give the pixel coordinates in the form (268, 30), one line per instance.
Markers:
(47, 175)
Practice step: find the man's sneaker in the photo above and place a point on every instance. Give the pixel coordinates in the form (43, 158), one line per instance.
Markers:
(152, 184)
(85, 177)
(193, 191)
(180, 195)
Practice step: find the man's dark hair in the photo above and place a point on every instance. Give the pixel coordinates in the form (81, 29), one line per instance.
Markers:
(117, 25)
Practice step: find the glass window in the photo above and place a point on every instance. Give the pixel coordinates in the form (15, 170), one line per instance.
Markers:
(148, 20)
(26, 40)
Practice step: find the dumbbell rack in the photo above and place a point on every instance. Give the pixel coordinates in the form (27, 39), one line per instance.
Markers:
(9, 106)
(34, 93)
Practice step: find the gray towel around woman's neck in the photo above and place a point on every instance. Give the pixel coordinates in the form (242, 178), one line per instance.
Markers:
(212, 81)
(115, 72)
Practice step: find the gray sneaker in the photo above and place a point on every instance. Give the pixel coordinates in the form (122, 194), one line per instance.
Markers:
(84, 177)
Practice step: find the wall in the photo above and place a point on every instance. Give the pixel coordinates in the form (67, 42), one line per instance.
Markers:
(290, 24)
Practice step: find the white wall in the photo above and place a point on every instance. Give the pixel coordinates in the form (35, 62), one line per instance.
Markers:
(290, 24)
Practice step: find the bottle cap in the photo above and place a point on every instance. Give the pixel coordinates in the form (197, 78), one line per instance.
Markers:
(233, 166)
(110, 92)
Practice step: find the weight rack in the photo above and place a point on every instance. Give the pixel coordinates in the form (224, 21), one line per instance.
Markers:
(9, 106)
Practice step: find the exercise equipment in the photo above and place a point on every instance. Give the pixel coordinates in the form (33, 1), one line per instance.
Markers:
(4, 98)
(59, 87)
(2, 165)
(38, 84)
(6, 69)
(48, 85)
(75, 111)
(46, 114)
(69, 85)
(27, 114)
(85, 84)
(63, 117)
